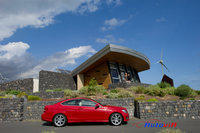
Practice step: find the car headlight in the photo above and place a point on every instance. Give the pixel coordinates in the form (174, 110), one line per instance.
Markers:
(124, 110)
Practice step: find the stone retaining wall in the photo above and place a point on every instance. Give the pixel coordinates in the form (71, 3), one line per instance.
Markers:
(34, 109)
(128, 103)
(168, 109)
(25, 85)
(18, 109)
(54, 80)
(11, 109)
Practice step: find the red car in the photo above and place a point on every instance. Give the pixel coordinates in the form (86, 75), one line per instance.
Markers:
(83, 110)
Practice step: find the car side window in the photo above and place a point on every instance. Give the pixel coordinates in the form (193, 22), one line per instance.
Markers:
(88, 103)
(71, 103)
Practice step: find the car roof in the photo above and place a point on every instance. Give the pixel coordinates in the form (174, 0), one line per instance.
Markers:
(80, 98)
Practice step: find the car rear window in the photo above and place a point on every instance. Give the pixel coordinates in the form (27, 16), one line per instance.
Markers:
(71, 103)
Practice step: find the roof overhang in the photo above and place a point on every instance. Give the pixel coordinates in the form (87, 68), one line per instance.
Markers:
(115, 53)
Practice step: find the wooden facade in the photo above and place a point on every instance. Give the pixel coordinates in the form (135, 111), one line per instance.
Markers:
(100, 73)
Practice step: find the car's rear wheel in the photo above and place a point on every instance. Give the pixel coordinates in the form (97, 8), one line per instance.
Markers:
(116, 119)
(60, 120)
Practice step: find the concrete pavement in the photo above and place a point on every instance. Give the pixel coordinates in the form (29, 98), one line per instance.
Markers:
(37, 126)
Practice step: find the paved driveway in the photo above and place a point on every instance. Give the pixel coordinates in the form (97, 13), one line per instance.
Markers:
(189, 126)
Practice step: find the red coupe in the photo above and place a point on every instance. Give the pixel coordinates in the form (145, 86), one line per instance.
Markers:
(83, 110)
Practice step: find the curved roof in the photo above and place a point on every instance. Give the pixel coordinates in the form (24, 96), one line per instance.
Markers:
(118, 54)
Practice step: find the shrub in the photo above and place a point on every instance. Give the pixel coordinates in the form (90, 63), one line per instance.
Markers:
(155, 90)
(100, 89)
(170, 90)
(59, 89)
(140, 98)
(138, 89)
(119, 93)
(13, 92)
(105, 93)
(193, 94)
(192, 99)
(84, 90)
(198, 92)
(112, 95)
(163, 84)
(48, 90)
(115, 91)
(152, 100)
(125, 94)
(71, 94)
(22, 94)
(170, 131)
(2, 93)
(32, 98)
(91, 87)
(3, 97)
(183, 91)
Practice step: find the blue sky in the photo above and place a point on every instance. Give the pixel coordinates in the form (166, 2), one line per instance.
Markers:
(143, 25)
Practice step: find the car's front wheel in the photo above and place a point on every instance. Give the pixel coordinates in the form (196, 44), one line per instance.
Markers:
(116, 119)
(60, 120)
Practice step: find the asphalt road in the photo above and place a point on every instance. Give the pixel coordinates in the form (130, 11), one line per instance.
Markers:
(188, 126)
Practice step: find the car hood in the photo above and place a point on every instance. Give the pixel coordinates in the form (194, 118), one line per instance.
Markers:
(114, 107)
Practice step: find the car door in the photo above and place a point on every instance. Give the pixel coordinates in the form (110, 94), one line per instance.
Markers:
(88, 113)
(70, 108)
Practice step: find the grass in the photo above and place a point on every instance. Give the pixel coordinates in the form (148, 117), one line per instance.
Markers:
(33, 98)
(55, 90)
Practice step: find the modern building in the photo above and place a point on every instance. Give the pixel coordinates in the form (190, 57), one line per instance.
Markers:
(110, 65)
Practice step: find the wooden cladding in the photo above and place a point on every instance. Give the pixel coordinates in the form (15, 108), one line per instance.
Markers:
(100, 73)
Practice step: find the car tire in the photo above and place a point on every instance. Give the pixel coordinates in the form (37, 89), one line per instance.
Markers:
(116, 119)
(59, 120)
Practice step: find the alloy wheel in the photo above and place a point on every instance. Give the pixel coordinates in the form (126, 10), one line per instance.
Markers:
(116, 119)
(59, 120)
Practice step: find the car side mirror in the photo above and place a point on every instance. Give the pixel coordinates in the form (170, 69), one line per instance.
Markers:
(96, 106)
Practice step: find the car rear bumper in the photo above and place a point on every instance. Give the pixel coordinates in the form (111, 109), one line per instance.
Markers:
(46, 117)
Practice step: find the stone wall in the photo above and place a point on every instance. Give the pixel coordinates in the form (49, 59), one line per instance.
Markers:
(25, 85)
(11, 109)
(49, 95)
(18, 109)
(128, 103)
(34, 109)
(55, 80)
(168, 109)
(126, 85)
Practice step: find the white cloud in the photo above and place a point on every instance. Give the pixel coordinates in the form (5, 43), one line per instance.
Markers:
(116, 2)
(109, 39)
(12, 50)
(161, 19)
(112, 23)
(16, 62)
(15, 14)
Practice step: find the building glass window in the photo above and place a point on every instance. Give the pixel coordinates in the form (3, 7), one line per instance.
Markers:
(118, 73)
(114, 72)
(122, 72)
(135, 76)
(130, 73)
